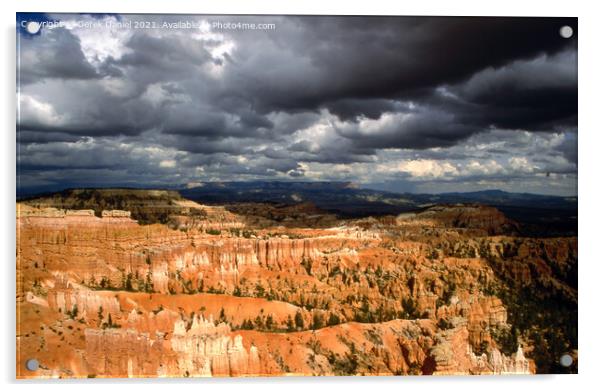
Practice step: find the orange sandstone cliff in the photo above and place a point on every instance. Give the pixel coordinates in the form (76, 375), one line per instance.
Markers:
(209, 294)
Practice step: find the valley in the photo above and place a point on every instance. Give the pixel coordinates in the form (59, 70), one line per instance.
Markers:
(138, 283)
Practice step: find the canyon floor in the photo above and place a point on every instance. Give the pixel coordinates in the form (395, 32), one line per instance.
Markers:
(150, 284)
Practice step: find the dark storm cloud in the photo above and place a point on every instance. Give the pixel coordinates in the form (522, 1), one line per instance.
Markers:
(376, 57)
(344, 152)
(568, 148)
(537, 94)
(27, 137)
(317, 90)
(414, 130)
(348, 109)
(205, 145)
(165, 54)
(58, 56)
(351, 66)
(207, 122)
(94, 113)
(52, 156)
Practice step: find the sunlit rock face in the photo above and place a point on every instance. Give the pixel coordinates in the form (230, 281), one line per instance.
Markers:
(100, 295)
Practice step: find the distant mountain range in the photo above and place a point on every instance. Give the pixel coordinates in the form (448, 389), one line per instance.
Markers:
(538, 214)
(349, 198)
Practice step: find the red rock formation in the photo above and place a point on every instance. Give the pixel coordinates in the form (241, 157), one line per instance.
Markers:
(468, 216)
(105, 296)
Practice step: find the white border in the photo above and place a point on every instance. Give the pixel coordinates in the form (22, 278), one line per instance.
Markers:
(590, 66)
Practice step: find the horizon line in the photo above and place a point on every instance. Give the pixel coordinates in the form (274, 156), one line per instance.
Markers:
(40, 191)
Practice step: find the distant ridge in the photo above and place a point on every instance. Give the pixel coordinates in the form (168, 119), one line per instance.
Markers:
(538, 214)
(282, 191)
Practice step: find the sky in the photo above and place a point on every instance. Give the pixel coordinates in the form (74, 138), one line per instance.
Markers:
(407, 104)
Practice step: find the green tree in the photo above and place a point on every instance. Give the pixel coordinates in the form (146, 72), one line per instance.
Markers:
(259, 290)
(149, 287)
(299, 324)
(334, 319)
(73, 312)
(127, 284)
(318, 320)
(290, 324)
(222, 316)
(269, 322)
(100, 315)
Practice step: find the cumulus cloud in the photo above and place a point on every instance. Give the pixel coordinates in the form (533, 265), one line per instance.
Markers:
(421, 168)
